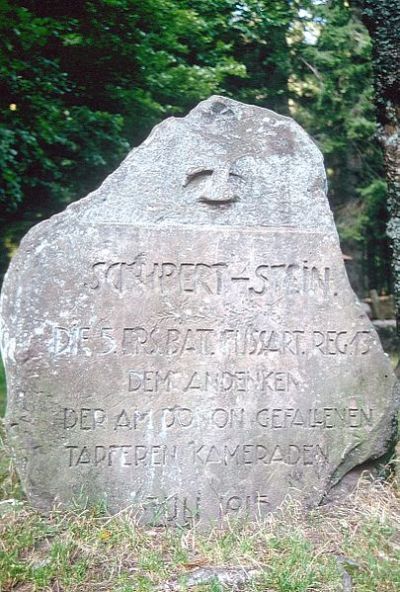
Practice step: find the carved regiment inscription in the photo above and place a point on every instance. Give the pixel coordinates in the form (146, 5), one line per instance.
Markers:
(216, 391)
(185, 340)
(177, 341)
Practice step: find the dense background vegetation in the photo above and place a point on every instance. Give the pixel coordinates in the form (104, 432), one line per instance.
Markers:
(82, 82)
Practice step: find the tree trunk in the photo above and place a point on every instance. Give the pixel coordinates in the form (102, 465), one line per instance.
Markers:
(382, 19)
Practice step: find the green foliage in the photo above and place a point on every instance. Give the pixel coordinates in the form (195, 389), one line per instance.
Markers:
(374, 237)
(382, 18)
(47, 148)
(82, 82)
(256, 33)
(332, 94)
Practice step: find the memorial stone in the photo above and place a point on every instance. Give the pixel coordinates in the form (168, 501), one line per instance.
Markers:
(185, 340)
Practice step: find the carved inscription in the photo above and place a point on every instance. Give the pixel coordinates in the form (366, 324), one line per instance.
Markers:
(235, 418)
(185, 326)
(256, 504)
(195, 453)
(218, 278)
(126, 455)
(160, 510)
(208, 341)
(266, 380)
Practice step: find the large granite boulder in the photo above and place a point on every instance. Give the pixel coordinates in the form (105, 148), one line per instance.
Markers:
(185, 338)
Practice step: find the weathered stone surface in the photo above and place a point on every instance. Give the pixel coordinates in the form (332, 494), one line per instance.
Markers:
(185, 338)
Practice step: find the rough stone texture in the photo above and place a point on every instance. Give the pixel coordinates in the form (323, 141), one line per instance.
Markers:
(185, 338)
